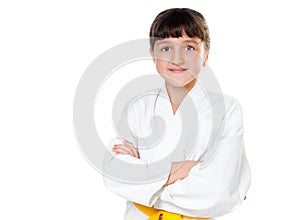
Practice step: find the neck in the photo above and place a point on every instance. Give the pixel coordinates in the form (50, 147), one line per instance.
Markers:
(177, 94)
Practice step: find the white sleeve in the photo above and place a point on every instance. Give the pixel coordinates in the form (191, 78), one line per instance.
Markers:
(219, 187)
(144, 192)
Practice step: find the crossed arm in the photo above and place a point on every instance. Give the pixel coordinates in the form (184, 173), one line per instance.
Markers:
(179, 170)
(211, 190)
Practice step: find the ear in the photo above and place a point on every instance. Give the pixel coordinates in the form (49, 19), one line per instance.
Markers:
(152, 54)
(205, 58)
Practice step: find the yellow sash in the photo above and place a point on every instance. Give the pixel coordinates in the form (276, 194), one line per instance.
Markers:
(156, 214)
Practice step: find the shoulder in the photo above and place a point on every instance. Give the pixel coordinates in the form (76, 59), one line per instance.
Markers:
(233, 116)
(232, 105)
(228, 103)
(228, 110)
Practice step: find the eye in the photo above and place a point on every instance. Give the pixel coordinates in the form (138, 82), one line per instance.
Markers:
(164, 49)
(189, 47)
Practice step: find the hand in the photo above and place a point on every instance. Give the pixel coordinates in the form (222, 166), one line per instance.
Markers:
(180, 170)
(126, 148)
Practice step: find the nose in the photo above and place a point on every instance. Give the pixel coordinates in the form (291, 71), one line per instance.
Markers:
(177, 57)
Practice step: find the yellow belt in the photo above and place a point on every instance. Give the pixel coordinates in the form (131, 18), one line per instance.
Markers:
(156, 214)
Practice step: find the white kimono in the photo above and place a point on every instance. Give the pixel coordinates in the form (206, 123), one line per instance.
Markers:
(214, 187)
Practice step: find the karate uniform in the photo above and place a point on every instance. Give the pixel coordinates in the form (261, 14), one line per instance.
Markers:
(215, 186)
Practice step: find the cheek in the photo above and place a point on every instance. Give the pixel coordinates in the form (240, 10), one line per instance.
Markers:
(161, 66)
(194, 64)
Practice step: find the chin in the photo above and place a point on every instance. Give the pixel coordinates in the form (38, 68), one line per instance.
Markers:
(180, 83)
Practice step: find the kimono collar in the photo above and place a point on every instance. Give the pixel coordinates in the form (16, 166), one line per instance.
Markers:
(197, 93)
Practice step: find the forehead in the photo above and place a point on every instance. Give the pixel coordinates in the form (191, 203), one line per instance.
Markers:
(179, 40)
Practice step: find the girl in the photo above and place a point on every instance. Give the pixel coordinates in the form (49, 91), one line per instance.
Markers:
(210, 175)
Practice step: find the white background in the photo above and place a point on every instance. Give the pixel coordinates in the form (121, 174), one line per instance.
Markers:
(46, 46)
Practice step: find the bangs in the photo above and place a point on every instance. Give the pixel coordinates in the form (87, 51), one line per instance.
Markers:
(175, 25)
(175, 22)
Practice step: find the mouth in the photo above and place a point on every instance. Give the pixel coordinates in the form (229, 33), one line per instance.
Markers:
(177, 70)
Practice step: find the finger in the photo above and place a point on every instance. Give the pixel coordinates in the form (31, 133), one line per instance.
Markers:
(133, 148)
(136, 153)
(128, 142)
(128, 149)
(119, 148)
(122, 150)
(124, 144)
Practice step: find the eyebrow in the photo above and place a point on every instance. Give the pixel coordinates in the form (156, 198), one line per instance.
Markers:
(192, 41)
(165, 41)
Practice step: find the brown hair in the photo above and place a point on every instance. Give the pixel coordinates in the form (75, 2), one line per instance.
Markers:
(175, 21)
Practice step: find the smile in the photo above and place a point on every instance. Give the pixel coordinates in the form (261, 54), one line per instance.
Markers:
(177, 70)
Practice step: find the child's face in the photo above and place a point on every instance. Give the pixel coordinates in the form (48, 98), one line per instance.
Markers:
(179, 60)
